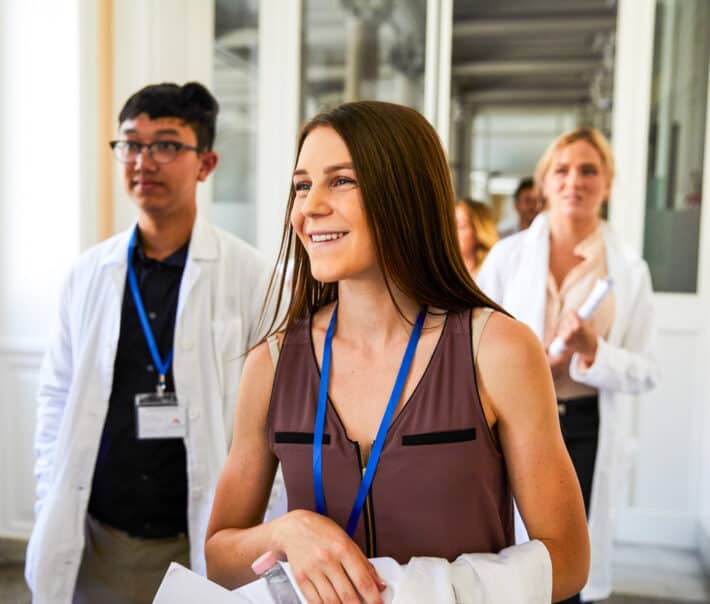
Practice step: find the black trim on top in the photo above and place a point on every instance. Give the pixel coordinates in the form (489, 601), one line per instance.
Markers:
(438, 438)
(298, 438)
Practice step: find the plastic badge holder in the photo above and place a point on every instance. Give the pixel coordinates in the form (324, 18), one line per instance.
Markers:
(267, 567)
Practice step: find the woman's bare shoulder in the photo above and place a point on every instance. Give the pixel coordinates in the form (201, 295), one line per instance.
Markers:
(255, 385)
(512, 363)
(259, 357)
(502, 334)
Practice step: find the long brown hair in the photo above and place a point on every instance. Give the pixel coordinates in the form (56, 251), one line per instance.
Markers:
(481, 218)
(408, 198)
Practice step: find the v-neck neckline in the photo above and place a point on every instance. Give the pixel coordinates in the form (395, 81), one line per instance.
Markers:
(407, 403)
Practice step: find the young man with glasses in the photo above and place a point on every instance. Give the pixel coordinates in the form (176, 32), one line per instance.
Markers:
(138, 385)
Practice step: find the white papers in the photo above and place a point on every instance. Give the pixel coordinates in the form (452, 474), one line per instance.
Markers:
(182, 586)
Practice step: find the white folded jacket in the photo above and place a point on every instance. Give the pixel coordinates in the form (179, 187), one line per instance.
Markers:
(517, 574)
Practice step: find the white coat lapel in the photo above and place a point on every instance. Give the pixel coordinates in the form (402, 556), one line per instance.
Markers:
(203, 246)
(115, 259)
(616, 268)
(528, 286)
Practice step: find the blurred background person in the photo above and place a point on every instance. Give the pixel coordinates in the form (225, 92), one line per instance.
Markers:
(477, 233)
(528, 204)
(542, 276)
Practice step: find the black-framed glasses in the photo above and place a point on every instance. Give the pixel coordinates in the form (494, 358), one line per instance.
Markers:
(161, 152)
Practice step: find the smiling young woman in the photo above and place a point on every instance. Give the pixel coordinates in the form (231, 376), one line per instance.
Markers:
(381, 296)
(328, 215)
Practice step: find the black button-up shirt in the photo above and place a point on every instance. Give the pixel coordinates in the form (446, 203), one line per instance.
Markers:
(140, 486)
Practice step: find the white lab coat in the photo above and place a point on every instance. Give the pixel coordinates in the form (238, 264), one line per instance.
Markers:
(515, 575)
(515, 275)
(218, 309)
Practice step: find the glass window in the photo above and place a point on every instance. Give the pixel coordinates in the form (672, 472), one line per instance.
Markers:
(677, 143)
(362, 49)
(236, 86)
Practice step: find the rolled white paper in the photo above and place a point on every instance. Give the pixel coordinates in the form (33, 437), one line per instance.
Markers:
(601, 288)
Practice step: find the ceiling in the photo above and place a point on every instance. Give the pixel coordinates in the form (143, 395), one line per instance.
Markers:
(504, 52)
(517, 52)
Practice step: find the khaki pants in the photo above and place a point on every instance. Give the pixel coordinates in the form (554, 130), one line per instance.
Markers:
(119, 569)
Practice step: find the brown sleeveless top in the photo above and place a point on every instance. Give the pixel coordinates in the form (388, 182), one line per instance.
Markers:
(441, 487)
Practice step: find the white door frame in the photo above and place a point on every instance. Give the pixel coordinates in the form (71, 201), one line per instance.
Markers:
(437, 75)
(675, 413)
(279, 115)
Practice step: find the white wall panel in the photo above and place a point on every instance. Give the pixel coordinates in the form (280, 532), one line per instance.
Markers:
(704, 365)
(279, 92)
(662, 501)
(159, 41)
(667, 433)
(19, 369)
(43, 196)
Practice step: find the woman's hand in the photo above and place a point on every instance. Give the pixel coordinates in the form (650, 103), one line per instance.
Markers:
(326, 563)
(559, 365)
(578, 336)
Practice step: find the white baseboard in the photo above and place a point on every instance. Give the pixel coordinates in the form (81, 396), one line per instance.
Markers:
(656, 528)
(660, 572)
(20, 361)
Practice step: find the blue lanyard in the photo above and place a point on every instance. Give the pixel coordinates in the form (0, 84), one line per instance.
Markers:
(161, 366)
(367, 479)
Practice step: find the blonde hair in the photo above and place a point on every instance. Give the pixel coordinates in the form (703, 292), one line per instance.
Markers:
(590, 135)
(484, 225)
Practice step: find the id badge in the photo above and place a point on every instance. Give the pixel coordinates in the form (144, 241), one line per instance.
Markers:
(160, 415)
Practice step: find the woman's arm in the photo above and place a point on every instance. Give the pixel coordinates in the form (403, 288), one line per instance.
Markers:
(244, 485)
(517, 393)
(630, 368)
(325, 561)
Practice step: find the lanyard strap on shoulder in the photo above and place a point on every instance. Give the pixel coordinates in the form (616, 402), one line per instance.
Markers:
(371, 468)
(160, 365)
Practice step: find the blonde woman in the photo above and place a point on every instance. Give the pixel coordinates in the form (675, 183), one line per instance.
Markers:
(477, 232)
(542, 276)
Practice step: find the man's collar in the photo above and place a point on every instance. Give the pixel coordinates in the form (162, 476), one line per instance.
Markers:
(203, 244)
(203, 241)
(177, 259)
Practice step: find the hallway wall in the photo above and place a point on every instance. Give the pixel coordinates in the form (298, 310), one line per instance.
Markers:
(41, 221)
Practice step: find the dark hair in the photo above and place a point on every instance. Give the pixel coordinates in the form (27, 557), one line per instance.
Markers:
(192, 103)
(408, 198)
(525, 183)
